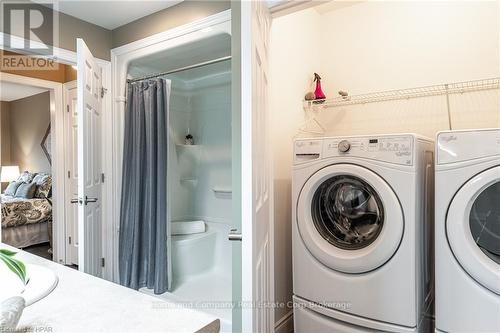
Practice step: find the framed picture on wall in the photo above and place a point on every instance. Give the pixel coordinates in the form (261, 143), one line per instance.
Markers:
(46, 145)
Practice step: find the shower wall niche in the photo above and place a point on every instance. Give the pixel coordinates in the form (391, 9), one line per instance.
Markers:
(200, 174)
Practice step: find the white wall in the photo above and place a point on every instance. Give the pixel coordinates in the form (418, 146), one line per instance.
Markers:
(374, 46)
(377, 46)
(180, 159)
(211, 121)
(201, 104)
(293, 57)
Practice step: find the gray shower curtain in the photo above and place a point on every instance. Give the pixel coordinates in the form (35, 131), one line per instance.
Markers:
(144, 259)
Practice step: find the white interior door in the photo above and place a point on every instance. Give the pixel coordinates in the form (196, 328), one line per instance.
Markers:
(89, 161)
(257, 229)
(71, 162)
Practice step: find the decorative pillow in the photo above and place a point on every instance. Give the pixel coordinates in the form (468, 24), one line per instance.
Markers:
(12, 188)
(26, 191)
(26, 177)
(43, 183)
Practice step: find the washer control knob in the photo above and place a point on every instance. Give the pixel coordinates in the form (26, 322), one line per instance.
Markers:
(344, 146)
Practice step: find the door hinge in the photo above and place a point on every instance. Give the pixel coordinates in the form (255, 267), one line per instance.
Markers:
(69, 240)
(102, 177)
(67, 108)
(103, 91)
(69, 174)
(102, 262)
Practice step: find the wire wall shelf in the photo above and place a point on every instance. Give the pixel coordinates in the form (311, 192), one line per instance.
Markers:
(427, 91)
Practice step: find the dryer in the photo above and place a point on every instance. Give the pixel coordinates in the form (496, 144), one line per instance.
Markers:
(468, 231)
(362, 233)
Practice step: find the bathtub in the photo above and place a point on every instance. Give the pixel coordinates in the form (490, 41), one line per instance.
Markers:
(202, 253)
(201, 267)
(193, 254)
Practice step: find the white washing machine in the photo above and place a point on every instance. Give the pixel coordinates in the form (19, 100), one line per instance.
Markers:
(468, 231)
(362, 230)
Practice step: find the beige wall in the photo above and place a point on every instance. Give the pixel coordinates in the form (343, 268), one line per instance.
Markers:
(98, 39)
(368, 47)
(297, 43)
(5, 133)
(101, 41)
(29, 119)
(183, 13)
(458, 42)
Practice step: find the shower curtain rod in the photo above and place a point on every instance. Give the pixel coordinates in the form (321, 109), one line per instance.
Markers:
(201, 64)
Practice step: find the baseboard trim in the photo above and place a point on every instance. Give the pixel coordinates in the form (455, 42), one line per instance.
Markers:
(285, 324)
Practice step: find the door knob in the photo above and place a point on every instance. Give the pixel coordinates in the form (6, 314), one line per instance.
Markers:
(234, 235)
(81, 202)
(75, 201)
(87, 200)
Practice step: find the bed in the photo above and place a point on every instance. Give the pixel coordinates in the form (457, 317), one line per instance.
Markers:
(25, 221)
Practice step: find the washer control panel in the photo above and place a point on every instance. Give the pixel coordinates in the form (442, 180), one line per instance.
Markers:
(307, 150)
(344, 146)
(392, 149)
(397, 149)
(459, 146)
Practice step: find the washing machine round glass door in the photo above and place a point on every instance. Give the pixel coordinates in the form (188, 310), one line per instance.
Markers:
(349, 218)
(473, 228)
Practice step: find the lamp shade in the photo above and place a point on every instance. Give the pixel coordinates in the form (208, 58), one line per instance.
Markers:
(9, 173)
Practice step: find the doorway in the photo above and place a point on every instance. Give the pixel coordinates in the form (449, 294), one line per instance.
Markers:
(31, 195)
(60, 92)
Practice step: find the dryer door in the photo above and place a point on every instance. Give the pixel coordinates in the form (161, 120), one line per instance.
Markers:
(349, 218)
(473, 228)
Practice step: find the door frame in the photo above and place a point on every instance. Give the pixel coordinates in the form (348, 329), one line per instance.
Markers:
(67, 187)
(68, 57)
(120, 60)
(254, 256)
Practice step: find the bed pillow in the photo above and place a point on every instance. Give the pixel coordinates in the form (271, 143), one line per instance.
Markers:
(26, 177)
(26, 191)
(43, 183)
(12, 188)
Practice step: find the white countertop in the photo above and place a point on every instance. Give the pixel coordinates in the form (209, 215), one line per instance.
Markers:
(84, 303)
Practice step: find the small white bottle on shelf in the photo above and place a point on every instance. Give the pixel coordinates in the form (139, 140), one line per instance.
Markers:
(189, 139)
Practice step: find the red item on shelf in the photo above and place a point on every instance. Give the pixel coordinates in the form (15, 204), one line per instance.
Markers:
(318, 93)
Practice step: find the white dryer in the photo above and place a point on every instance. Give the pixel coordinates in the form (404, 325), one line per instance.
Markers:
(468, 231)
(362, 230)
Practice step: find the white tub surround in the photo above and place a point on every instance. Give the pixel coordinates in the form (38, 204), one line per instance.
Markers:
(201, 264)
(187, 228)
(83, 303)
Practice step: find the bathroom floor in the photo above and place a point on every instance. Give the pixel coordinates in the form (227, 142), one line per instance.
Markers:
(209, 292)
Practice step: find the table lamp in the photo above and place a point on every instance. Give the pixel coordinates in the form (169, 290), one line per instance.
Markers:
(9, 173)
